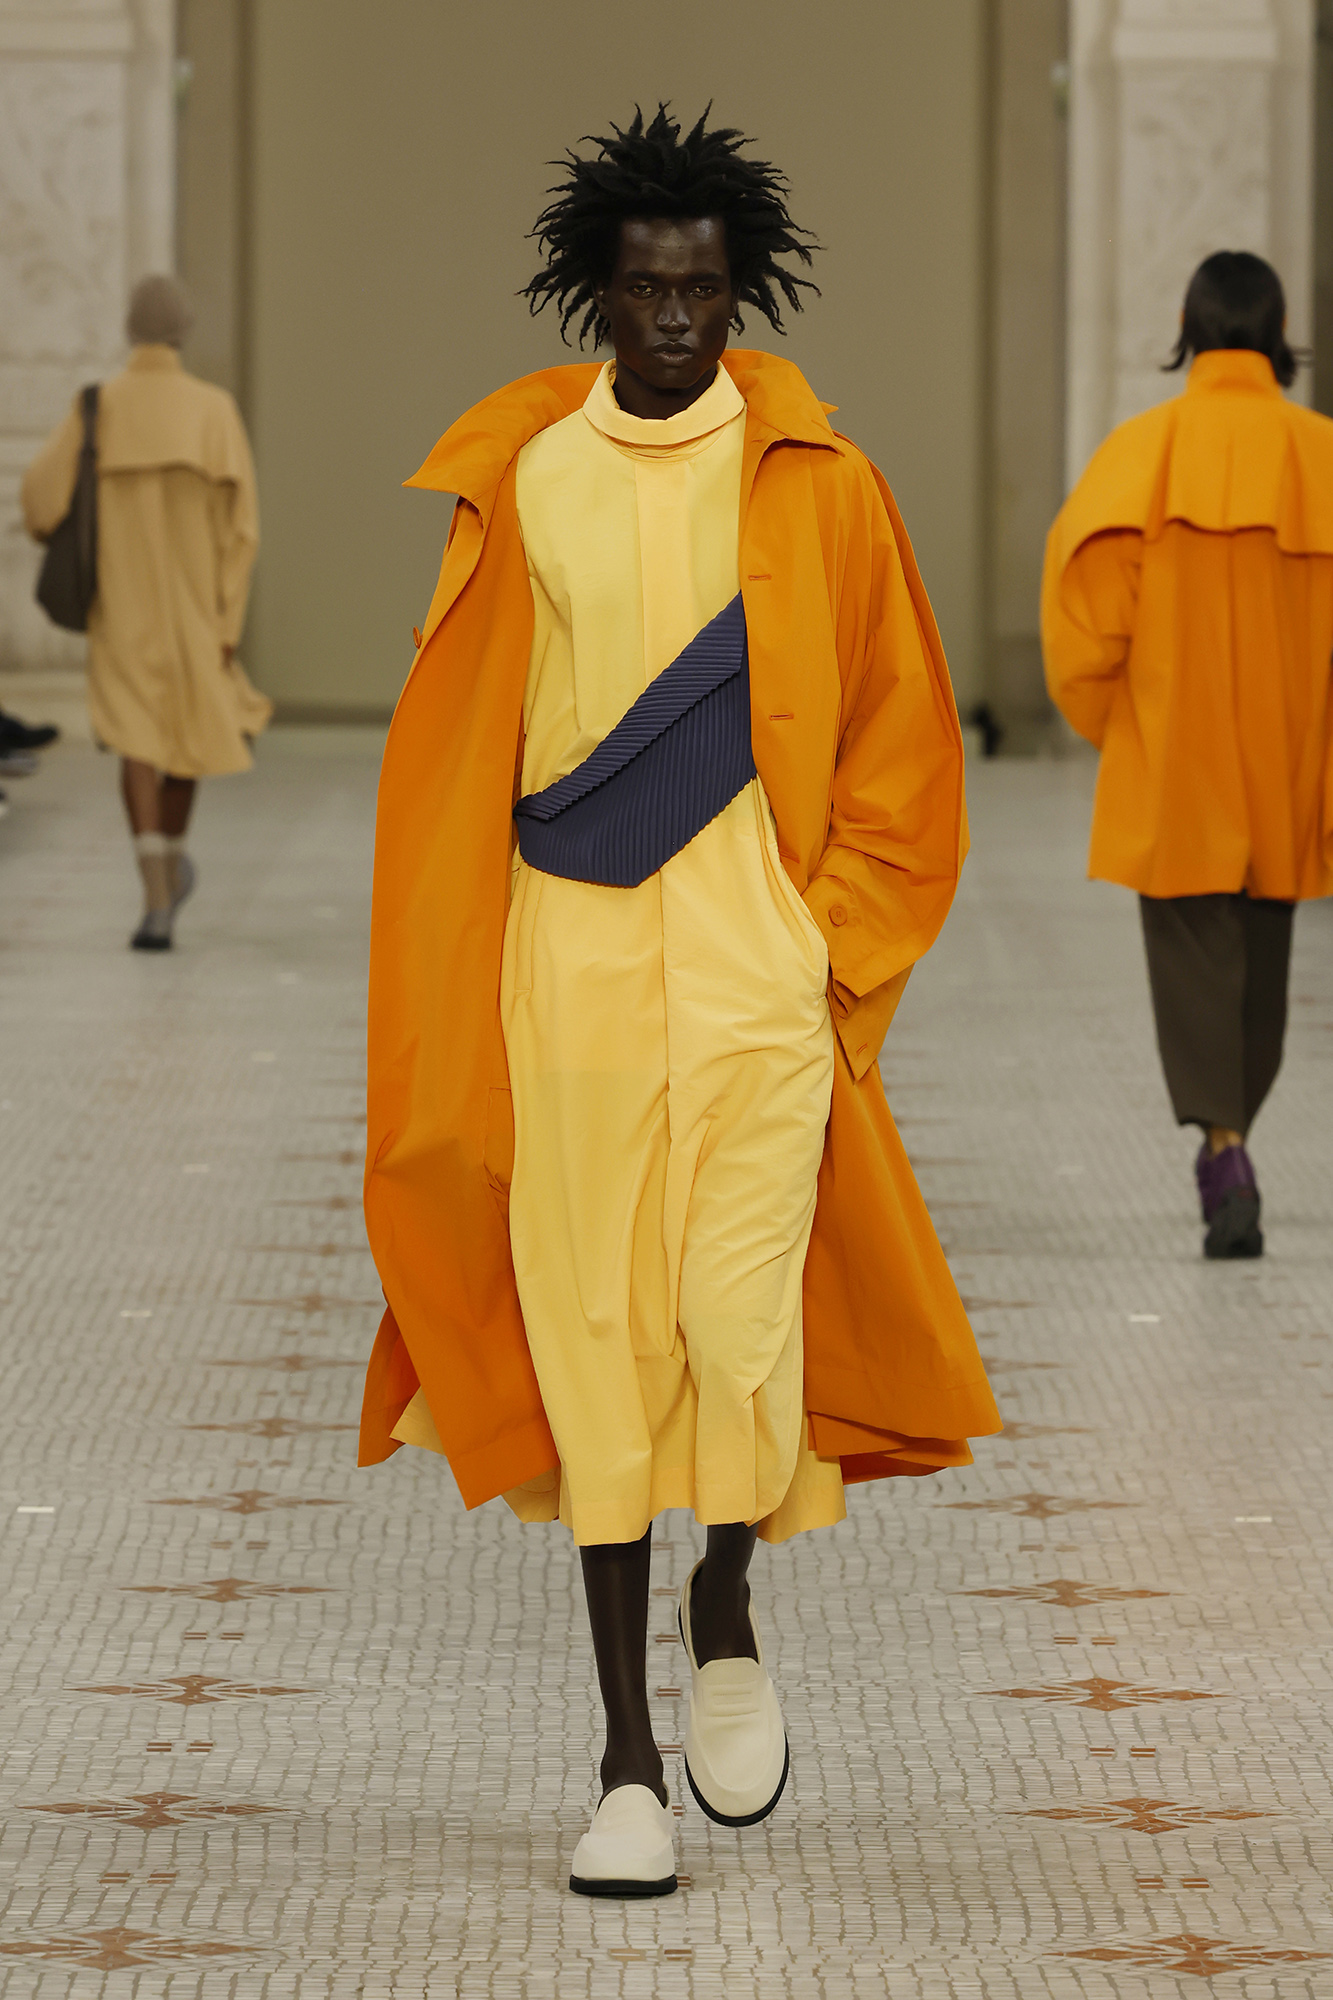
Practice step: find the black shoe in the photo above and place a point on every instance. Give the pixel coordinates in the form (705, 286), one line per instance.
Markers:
(16, 735)
(154, 933)
(1233, 1230)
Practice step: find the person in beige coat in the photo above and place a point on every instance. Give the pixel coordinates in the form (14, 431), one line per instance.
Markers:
(178, 530)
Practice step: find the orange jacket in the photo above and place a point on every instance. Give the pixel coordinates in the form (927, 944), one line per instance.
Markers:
(857, 742)
(1187, 622)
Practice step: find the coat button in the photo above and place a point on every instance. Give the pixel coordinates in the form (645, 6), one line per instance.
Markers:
(837, 915)
(416, 638)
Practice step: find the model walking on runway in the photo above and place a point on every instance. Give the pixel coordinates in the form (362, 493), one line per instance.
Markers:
(176, 538)
(1188, 625)
(671, 804)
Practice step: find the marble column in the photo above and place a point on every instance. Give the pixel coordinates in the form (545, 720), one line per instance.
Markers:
(87, 167)
(1191, 130)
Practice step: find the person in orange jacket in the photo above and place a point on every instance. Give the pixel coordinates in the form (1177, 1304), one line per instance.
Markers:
(671, 803)
(1187, 622)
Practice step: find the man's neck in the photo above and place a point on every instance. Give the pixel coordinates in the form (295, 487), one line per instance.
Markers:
(638, 398)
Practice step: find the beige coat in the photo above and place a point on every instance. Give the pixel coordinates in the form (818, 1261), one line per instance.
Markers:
(177, 533)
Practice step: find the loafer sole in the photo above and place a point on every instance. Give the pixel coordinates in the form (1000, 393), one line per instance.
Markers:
(590, 1885)
(741, 1819)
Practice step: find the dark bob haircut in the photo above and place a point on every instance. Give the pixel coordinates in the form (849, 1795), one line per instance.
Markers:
(650, 171)
(1235, 299)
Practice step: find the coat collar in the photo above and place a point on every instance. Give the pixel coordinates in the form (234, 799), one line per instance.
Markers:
(1231, 368)
(153, 357)
(474, 454)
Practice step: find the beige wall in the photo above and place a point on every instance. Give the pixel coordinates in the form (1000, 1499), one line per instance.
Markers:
(1323, 211)
(212, 169)
(396, 163)
(1025, 484)
(86, 188)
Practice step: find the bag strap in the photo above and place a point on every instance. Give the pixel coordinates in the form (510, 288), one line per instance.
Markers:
(88, 402)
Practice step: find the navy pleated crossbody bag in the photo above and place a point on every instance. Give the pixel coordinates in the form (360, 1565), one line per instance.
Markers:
(676, 758)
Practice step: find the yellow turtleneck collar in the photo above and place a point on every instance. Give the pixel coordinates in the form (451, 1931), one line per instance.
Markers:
(720, 403)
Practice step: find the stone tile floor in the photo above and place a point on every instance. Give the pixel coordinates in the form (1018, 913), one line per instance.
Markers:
(273, 1727)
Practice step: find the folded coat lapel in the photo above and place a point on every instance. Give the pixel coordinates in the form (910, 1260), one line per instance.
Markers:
(795, 690)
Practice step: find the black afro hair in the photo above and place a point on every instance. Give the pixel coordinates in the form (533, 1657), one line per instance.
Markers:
(650, 171)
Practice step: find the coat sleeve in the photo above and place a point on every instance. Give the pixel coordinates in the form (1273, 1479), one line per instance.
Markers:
(238, 536)
(48, 483)
(1087, 622)
(897, 821)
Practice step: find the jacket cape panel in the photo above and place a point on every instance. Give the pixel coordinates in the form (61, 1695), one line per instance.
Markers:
(148, 420)
(1211, 516)
(1230, 453)
(857, 742)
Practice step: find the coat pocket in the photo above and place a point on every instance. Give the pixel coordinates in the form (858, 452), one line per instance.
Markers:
(498, 1151)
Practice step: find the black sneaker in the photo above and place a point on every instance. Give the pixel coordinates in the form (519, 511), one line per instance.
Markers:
(1229, 1195)
(1234, 1230)
(16, 735)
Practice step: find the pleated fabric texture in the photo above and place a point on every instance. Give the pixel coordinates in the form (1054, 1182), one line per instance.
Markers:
(677, 757)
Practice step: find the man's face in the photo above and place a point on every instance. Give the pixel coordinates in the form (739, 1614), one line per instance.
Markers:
(669, 301)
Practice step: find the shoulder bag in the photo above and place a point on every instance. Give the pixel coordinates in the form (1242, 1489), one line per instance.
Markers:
(67, 582)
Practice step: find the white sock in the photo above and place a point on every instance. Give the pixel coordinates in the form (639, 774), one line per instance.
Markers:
(151, 852)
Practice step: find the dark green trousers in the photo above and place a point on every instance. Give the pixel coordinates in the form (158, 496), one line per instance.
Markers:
(1218, 968)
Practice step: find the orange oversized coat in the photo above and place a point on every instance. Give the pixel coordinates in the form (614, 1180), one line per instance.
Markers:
(857, 743)
(1187, 622)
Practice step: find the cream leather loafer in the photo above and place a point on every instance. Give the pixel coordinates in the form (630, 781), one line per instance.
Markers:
(629, 1849)
(736, 1755)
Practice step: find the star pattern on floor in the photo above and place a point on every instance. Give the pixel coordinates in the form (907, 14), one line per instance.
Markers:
(1103, 1695)
(1000, 1365)
(110, 1950)
(150, 1810)
(290, 1364)
(1204, 1957)
(307, 1249)
(1065, 1592)
(313, 1302)
(269, 1427)
(1017, 1431)
(1033, 1506)
(247, 1500)
(975, 1305)
(1142, 1815)
(191, 1690)
(348, 1157)
(336, 1204)
(227, 1589)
